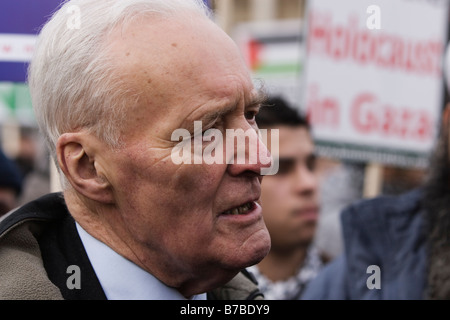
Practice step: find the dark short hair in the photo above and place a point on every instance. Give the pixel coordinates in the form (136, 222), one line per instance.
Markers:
(276, 111)
(10, 175)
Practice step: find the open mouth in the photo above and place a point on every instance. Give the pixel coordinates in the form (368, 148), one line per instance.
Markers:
(243, 209)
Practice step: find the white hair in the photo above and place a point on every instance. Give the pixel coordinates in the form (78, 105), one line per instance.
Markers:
(71, 78)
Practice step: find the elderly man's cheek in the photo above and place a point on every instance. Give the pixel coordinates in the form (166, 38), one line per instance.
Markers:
(198, 177)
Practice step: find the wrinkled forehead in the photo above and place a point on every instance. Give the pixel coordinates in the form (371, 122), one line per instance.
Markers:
(168, 39)
(179, 64)
(173, 47)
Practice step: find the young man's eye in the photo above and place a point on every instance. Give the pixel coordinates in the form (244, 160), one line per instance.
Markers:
(286, 166)
(311, 163)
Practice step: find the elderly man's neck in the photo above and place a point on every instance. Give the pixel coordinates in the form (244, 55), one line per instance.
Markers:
(103, 223)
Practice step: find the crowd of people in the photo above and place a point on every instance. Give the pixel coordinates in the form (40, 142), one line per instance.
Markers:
(108, 98)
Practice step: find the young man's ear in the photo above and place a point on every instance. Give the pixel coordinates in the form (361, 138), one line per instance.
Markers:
(446, 114)
(76, 158)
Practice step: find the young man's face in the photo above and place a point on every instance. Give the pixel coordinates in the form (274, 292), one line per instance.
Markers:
(290, 198)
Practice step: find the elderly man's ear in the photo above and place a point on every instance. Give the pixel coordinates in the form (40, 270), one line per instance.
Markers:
(77, 159)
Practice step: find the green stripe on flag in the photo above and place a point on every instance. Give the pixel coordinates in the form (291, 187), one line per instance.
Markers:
(15, 103)
(280, 69)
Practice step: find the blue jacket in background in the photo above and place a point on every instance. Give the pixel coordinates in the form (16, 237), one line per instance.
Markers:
(388, 232)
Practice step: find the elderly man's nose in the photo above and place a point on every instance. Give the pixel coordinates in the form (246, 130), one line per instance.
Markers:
(251, 156)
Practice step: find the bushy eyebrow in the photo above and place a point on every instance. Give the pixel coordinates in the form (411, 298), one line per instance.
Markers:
(216, 114)
(257, 98)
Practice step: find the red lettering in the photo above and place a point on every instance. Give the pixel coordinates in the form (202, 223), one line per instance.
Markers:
(6, 48)
(371, 117)
(397, 53)
(362, 48)
(388, 125)
(424, 128)
(28, 48)
(322, 111)
(318, 40)
(339, 43)
(362, 114)
(405, 125)
(348, 41)
(382, 51)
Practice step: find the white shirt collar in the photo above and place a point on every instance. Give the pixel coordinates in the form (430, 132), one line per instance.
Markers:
(122, 279)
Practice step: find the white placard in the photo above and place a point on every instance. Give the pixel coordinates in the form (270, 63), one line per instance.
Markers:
(373, 77)
(16, 47)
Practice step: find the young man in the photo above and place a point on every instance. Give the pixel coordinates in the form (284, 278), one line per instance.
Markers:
(290, 204)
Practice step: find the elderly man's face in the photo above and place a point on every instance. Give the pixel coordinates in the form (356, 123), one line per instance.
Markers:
(185, 73)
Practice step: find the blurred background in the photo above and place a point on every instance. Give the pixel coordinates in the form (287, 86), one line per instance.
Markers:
(368, 73)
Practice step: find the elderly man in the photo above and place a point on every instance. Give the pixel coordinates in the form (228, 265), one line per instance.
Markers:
(111, 81)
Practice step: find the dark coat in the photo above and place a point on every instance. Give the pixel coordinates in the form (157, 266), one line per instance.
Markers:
(388, 232)
(39, 241)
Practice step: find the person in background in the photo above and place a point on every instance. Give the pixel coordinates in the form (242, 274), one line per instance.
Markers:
(396, 247)
(33, 160)
(290, 203)
(10, 184)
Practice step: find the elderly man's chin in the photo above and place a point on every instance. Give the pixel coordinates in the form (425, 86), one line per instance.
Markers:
(251, 252)
(261, 248)
(243, 239)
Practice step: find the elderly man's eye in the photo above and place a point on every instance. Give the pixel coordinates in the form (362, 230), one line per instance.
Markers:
(250, 115)
(209, 132)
